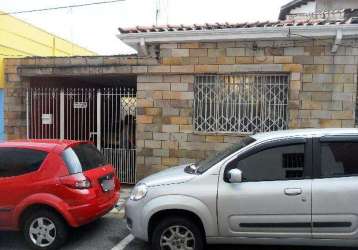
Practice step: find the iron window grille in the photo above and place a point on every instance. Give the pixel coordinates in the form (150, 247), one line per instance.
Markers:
(240, 103)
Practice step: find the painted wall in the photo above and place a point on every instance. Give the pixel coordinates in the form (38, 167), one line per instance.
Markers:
(21, 39)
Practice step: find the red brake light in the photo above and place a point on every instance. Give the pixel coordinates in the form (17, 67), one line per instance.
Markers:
(76, 181)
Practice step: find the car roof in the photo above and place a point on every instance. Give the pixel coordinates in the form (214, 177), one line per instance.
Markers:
(41, 144)
(306, 133)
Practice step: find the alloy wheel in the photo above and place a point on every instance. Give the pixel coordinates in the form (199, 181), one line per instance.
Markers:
(42, 232)
(177, 238)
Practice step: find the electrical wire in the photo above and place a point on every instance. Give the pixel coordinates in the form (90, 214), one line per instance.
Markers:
(59, 8)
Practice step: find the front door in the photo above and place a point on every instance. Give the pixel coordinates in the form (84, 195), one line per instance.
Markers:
(274, 199)
(335, 190)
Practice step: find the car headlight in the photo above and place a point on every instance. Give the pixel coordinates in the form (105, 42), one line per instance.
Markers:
(139, 192)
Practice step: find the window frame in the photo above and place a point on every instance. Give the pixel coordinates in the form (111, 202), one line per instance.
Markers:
(318, 151)
(308, 152)
(199, 128)
(28, 149)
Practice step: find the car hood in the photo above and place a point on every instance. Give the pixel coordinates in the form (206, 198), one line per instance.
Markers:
(174, 175)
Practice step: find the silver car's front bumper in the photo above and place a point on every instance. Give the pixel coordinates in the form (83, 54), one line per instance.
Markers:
(135, 219)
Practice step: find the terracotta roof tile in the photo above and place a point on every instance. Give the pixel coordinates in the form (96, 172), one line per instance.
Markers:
(347, 16)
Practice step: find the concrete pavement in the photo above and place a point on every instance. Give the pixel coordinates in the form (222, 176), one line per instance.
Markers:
(124, 195)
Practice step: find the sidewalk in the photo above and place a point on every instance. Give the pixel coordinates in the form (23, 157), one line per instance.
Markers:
(124, 195)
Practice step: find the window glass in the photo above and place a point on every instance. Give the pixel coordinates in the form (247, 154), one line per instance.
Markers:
(16, 161)
(206, 164)
(337, 159)
(82, 157)
(278, 163)
(72, 162)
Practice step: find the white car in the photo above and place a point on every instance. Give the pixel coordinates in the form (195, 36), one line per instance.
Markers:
(297, 187)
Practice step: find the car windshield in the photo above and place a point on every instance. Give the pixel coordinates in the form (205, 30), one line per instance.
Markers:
(206, 164)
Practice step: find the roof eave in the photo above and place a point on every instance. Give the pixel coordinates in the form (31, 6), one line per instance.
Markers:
(260, 33)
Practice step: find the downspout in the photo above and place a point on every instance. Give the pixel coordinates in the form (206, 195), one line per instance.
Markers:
(338, 41)
(143, 47)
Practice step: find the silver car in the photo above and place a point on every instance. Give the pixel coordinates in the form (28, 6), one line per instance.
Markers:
(296, 187)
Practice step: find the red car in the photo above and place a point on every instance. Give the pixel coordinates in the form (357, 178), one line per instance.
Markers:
(47, 186)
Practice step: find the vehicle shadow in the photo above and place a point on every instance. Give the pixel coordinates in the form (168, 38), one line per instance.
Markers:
(103, 234)
(11, 240)
(262, 247)
(137, 244)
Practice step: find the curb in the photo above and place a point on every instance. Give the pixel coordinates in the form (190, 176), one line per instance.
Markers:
(119, 208)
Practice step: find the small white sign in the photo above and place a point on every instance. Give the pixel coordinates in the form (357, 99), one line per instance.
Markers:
(80, 105)
(46, 119)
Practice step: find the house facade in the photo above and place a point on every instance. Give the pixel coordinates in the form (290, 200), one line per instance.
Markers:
(297, 7)
(21, 39)
(199, 89)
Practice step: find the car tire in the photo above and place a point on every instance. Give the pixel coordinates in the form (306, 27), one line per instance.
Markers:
(45, 230)
(182, 226)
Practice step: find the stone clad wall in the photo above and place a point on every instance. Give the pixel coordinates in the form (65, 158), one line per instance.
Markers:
(322, 90)
(164, 125)
(15, 102)
(322, 93)
(20, 71)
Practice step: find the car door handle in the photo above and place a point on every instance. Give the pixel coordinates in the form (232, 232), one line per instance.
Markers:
(293, 191)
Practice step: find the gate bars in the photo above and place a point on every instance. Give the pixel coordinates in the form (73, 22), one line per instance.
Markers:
(105, 116)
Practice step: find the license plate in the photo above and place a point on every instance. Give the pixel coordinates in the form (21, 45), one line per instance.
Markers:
(107, 183)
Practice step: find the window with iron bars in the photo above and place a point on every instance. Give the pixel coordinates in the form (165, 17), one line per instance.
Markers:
(240, 103)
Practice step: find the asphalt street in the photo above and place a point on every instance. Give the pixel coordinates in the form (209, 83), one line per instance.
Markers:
(102, 234)
(109, 231)
(138, 245)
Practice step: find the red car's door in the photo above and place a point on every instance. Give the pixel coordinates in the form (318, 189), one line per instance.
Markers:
(12, 191)
(17, 170)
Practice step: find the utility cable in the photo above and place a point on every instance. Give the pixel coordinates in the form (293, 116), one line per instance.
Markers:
(60, 7)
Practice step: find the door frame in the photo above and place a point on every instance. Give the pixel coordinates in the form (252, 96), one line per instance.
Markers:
(317, 172)
(320, 227)
(277, 143)
(308, 170)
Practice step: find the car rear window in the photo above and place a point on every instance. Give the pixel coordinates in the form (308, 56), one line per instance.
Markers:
(18, 161)
(82, 157)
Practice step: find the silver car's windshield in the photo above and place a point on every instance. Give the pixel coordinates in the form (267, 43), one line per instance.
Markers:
(204, 165)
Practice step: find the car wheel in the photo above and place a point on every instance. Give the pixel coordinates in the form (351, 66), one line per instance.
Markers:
(177, 233)
(45, 230)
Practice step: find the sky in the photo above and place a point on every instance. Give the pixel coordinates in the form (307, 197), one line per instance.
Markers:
(95, 27)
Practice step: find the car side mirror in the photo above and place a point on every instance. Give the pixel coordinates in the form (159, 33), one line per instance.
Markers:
(234, 176)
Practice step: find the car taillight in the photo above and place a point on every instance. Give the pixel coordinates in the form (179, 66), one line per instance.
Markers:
(76, 181)
(83, 184)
